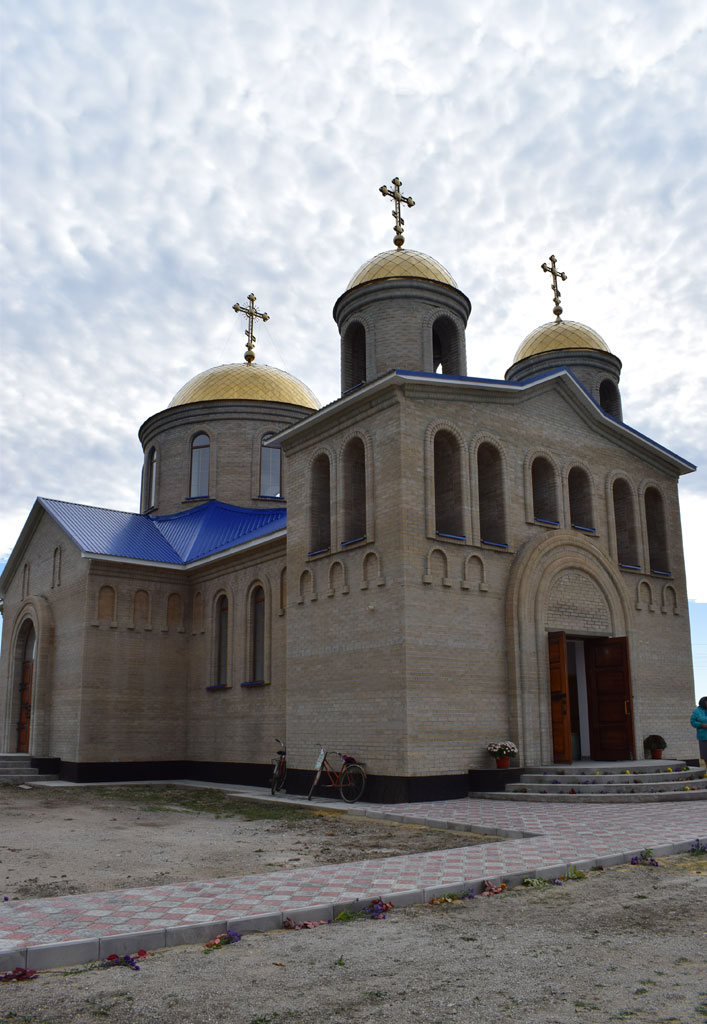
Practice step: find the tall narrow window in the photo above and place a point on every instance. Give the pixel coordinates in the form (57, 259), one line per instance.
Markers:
(544, 492)
(609, 398)
(320, 525)
(580, 494)
(270, 470)
(448, 488)
(257, 626)
(657, 534)
(625, 523)
(354, 468)
(353, 357)
(445, 347)
(492, 512)
(151, 480)
(199, 482)
(222, 641)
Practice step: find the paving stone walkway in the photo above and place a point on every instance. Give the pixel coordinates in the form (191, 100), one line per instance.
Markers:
(541, 840)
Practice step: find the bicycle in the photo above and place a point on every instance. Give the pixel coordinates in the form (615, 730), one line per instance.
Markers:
(349, 779)
(279, 771)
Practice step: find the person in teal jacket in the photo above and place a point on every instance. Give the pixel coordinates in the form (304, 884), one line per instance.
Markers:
(698, 719)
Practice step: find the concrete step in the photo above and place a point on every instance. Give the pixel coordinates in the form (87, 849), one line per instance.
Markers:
(613, 768)
(22, 778)
(638, 797)
(635, 778)
(602, 787)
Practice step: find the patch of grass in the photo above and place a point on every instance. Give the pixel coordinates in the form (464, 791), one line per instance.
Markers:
(200, 801)
(580, 1004)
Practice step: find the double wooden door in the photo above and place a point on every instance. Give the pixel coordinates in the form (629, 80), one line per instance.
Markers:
(608, 681)
(25, 715)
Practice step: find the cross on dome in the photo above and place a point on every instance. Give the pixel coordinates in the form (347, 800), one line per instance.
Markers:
(555, 274)
(251, 313)
(398, 198)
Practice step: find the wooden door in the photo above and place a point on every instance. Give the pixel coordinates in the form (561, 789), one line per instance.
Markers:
(609, 699)
(25, 707)
(559, 699)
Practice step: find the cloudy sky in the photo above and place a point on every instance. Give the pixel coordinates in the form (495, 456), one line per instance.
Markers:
(160, 160)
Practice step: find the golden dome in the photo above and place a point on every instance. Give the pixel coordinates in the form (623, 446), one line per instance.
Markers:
(254, 382)
(557, 335)
(401, 263)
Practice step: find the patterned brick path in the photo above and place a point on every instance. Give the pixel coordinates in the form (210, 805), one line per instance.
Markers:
(541, 839)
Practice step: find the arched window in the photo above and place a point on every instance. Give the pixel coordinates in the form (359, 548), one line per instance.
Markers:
(353, 357)
(151, 479)
(354, 470)
(544, 492)
(445, 346)
(580, 493)
(625, 524)
(222, 641)
(609, 398)
(320, 509)
(492, 512)
(448, 487)
(270, 469)
(657, 534)
(106, 604)
(199, 480)
(257, 635)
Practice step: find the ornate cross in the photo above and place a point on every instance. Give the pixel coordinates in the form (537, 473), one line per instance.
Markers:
(555, 274)
(251, 312)
(398, 198)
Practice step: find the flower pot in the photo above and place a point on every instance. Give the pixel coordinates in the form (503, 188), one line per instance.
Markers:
(656, 754)
(503, 762)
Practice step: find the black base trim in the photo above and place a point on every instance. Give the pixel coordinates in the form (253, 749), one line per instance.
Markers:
(492, 780)
(379, 788)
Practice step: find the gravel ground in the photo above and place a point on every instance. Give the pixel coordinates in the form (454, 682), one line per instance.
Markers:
(623, 944)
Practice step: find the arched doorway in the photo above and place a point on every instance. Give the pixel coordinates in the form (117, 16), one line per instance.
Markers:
(27, 647)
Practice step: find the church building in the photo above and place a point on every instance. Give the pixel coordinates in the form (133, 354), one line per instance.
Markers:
(432, 562)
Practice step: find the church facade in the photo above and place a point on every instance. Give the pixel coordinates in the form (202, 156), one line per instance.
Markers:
(432, 562)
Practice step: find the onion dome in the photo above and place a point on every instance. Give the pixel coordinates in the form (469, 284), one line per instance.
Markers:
(401, 263)
(561, 334)
(254, 382)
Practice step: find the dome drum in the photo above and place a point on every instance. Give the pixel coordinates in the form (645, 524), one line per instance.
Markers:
(598, 372)
(392, 324)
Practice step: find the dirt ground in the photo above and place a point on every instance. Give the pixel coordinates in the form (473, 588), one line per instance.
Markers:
(623, 944)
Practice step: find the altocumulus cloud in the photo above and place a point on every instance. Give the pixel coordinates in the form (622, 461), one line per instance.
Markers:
(162, 160)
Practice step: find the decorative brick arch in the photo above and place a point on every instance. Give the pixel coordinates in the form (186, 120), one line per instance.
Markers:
(591, 496)
(437, 556)
(670, 600)
(338, 579)
(37, 612)
(312, 497)
(458, 358)
(611, 516)
(350, 360)
(433, 429)
(246, 626)
(372, 571)
(644, 596)
(530, 583)
(474, 574)
(307, 587)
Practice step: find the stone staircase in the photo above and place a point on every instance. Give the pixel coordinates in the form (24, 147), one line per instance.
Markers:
(630, 782)
(17, 769)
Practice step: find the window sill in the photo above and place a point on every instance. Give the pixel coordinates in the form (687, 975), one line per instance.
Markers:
(319, 554)
(630, 568)
(355, 542)
(552, 523)
(584, 529)
(270, 497)
(253, 683)
(660, 572)
(217, 686)
(197, 497)
(494, 544)
(450, 538)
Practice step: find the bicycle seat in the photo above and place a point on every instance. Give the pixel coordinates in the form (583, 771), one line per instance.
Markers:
(348, 760)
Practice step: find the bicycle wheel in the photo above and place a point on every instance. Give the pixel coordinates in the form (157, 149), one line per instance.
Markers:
(353, 783)
(317, 776)
(279, 774)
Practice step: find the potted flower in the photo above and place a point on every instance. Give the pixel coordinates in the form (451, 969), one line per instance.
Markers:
(503, 752)
(656, 744)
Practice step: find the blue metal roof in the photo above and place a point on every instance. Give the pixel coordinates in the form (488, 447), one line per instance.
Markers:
(175, 540)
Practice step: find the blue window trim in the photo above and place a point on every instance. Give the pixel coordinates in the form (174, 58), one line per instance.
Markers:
(493, 543)
(660, 572)
(254, 682)
(625, 565)
(218, 686)
(584, 529)
(547, 522)
(451, 536)
(356, 540)
(321, 551)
